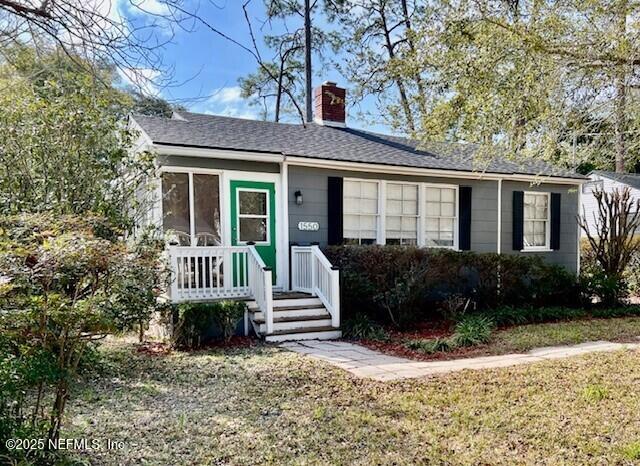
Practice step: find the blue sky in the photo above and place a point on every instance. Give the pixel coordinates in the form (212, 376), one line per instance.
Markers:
(206, 67)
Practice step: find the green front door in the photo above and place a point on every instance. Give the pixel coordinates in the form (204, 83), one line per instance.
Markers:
(253, 218)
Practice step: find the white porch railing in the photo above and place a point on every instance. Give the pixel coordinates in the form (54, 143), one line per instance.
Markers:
(311, 272)
(260, 281)
(218, 272)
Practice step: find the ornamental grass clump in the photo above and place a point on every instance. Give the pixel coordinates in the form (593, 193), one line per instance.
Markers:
(471, 330)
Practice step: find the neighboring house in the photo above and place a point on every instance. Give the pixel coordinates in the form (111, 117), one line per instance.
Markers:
(606, 181)
(250, 204)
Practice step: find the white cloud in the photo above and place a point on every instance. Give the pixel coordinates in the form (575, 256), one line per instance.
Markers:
(227, 95)
(142, 7)
(144, 79)
(227, 101)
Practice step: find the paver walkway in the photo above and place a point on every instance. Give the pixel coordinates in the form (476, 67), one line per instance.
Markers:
(364, 362)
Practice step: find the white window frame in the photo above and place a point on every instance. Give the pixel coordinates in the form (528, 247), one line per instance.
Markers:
(267, 217)
(379, 239)
(456, 218)
(381, 216)
(547, 236)
(192, 214)
(417, 216)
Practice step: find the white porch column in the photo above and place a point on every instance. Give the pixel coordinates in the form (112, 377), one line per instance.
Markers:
(499, 244)
(284, 231)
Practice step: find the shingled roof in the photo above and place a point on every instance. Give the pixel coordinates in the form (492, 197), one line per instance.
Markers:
(329, 143)
(630, 179)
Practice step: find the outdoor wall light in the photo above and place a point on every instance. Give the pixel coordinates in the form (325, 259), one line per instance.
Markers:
(298, 196)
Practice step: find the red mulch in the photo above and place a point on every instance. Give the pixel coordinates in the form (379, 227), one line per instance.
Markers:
(234, 342)
(426, 330)
(153, 348)
(162, 349)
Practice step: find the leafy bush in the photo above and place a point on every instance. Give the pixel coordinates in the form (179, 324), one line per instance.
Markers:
(472, 330)
(399, 284)
(512, 315)
(57, 276)
(196, 323)
(361, 327)
(133, 298)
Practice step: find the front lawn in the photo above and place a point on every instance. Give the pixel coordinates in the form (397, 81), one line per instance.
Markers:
(516, 339)
(266, 405)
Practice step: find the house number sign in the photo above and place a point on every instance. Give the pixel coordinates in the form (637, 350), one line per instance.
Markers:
(308, 226)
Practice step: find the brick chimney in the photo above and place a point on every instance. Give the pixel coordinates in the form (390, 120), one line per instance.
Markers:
(330, 105)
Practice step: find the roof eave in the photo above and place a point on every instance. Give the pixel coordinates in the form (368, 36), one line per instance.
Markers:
(273, 157)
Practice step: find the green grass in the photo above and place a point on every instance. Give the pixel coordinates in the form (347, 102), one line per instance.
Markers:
(526, 337)
(523, 338)
(268, 406)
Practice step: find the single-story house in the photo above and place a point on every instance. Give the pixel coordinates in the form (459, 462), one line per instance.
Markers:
(249, 205)
(605, 181)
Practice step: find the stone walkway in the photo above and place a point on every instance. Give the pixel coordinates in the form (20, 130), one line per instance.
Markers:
(364, 362)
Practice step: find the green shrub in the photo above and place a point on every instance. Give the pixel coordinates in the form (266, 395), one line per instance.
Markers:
(361, 327)
(435, 345)
(60, 277)
(400, 284)
(472, 330)
(512, 315)
(196, 323)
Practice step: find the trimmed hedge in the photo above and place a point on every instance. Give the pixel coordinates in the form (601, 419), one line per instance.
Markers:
(400, 285)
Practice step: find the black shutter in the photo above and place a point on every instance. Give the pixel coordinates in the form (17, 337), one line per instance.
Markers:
(518, 220)
(555, 221)
(464, 227)
(334, 210)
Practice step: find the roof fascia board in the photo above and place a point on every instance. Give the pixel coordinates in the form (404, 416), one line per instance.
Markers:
(379, 168)
(137, 127)
(165, 149)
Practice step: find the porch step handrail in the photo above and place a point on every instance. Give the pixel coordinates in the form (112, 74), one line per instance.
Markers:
(260, 284)
(311, 272)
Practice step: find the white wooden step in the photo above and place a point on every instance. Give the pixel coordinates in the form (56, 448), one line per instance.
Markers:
(291, 302)
(302, 335)
(296, 324)
(317, 311)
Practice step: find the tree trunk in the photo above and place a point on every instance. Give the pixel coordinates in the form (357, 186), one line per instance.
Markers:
(307, 60)
(620, 102)
(278, 97)
(404, 101)
(419, 84)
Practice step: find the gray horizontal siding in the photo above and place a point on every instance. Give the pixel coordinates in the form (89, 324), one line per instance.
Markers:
(217, 164)
(567, 255)
(312, 182)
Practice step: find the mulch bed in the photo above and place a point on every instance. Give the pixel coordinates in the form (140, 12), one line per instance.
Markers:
(161, 349)
(153, 348)
(234, 342)
(395, 346)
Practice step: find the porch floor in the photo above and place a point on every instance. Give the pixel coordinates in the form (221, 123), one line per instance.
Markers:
(290, 295)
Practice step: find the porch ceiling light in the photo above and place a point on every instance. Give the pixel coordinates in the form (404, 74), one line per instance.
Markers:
(298, 196)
